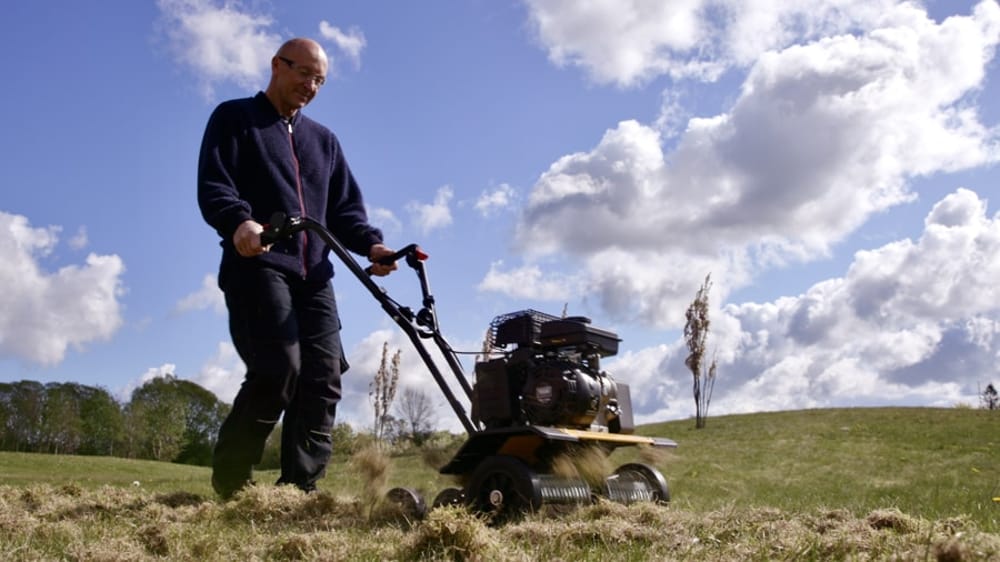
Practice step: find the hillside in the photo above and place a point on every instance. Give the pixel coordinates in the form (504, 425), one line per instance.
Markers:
(929, 462)
(858, 481)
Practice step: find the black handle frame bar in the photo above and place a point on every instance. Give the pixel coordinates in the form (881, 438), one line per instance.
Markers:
(418, 326)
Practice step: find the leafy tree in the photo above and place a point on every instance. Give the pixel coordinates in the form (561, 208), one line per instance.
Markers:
(156, 417)
(172, 419)
(204, 415)
(166, 419)
(24, 401)
(696, 335)
(102, 421)
(346, 441)
(6, 416)
(62, 428)
(66, 418)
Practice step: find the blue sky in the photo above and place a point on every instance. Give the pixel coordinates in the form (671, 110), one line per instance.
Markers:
(830, 163)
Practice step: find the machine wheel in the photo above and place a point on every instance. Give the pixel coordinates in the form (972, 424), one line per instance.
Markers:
(637, 482)
(410, 503)
(449, 497)
(503, 487)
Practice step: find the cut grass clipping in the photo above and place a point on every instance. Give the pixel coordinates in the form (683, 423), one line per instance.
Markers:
(373, 466)
(47, 522)
(588, 463)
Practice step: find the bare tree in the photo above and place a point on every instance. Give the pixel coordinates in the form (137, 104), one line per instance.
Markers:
(486, 353)
(382, 390)
(696, 335)
(416, 410)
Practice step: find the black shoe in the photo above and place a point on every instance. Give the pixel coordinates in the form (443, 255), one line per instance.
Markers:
(306, 488)
(227, 488)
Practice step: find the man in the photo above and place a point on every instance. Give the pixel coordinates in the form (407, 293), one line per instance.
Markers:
(260, 155)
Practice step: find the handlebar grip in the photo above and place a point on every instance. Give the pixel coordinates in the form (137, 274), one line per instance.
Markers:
(268, 237)
(368, 270)
(411, 251)
(280, 227)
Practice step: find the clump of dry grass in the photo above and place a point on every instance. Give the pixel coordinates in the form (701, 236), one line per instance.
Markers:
(281, 523)
(892, 519)
(110, 549)
(294, 546)
(154, 539)
(607, 532)
(263, 504)
(452, 533)
(317, 546)
(283, 507)
(339, 511)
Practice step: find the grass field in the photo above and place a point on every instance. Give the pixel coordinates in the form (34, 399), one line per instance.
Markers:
(880, 483)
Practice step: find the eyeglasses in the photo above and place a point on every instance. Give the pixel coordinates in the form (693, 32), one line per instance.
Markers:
(316, 79)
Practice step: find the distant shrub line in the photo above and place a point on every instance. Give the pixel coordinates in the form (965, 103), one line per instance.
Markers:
(166, 419)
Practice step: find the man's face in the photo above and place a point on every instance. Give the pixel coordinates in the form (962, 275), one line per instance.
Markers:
(299, 74)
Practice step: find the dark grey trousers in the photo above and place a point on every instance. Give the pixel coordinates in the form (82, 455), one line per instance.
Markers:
(287, 331)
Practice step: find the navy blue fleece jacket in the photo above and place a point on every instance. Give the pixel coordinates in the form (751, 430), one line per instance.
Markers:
(254, 163)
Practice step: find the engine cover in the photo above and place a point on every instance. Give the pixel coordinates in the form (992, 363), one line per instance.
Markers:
(558, 392)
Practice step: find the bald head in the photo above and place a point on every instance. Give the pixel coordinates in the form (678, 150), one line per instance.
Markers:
(302, 47)
(298, 70)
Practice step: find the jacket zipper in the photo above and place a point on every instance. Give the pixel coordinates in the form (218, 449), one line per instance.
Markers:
(302, 200)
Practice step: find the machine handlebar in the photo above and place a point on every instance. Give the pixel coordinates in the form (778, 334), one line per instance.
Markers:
(282, 226)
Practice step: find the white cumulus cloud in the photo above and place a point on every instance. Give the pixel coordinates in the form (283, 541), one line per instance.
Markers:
(207, 297)
(365, 358)
(385, 220)
(432, 216)
(79, 240)
(48, 312)
(822, 137)
(528, 282)
(219, 42)
(629, 42)
(223, 372)
(350, 42)
(911, 322)
(125, 393)
(493, 200)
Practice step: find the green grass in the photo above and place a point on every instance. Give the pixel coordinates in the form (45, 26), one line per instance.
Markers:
(932, 463)
(25, 469)
(805, 485)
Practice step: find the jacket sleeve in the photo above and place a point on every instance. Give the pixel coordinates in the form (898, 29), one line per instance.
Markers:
(218, 196)
(346, 216)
